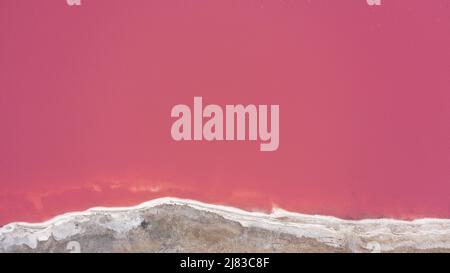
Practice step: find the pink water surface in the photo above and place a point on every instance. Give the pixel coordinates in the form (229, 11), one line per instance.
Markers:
(364, 94)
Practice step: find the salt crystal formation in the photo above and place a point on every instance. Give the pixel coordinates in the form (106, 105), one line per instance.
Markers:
(176, 225)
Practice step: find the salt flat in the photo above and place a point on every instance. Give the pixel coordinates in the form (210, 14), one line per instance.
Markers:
(179, 225)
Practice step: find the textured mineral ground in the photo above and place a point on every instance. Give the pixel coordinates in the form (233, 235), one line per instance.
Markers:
(177, 225)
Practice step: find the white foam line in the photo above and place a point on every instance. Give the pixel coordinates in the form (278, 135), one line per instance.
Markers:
(220, 209)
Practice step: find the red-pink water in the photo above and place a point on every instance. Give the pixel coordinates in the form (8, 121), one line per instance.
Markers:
(364, 95)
